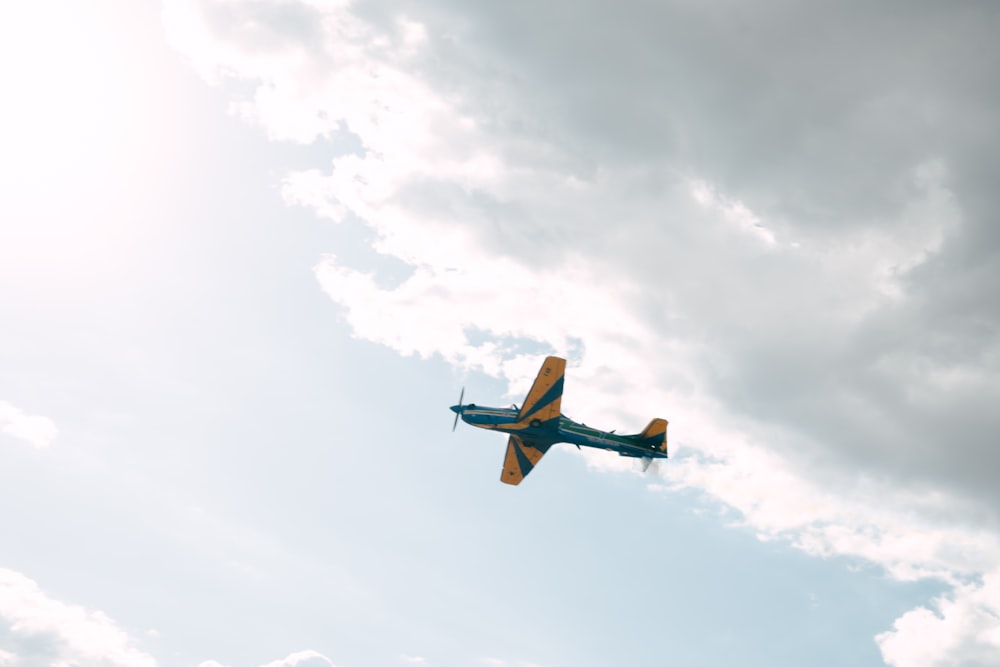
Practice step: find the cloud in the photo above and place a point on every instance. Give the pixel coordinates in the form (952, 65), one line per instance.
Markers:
(413, 659)
(37, 431)
(44, 631)
(963, 630)
(497, 662)
(786, 250)
(307, 657)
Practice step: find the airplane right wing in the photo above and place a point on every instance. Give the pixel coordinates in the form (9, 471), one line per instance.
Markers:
(545, 398)
(521, 458)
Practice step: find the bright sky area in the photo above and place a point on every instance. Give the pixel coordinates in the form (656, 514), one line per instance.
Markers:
(250, 252)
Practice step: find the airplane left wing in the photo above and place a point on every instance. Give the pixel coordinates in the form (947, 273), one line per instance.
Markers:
(545, 398)
(521, 459)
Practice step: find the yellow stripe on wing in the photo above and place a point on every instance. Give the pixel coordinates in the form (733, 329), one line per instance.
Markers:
(519, 460)
(544, 401)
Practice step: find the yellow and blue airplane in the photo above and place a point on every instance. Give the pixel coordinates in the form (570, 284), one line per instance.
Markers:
(538, 424)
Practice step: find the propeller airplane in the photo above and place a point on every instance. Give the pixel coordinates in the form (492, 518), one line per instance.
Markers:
(538, 424)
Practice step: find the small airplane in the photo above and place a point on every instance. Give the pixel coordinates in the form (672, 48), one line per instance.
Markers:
(538, 424)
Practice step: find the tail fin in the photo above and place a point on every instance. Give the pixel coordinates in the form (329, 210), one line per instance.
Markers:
(655, 435)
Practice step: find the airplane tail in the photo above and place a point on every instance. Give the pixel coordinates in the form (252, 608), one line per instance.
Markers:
(655, 435)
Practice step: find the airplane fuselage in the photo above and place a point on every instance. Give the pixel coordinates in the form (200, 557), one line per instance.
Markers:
(566, 430)
(539, 423)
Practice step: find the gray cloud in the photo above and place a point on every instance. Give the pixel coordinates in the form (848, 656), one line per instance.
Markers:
(861, 137)
(807, 111)
(812, 114)
(822, 119)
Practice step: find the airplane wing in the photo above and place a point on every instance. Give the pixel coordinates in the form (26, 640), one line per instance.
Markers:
(544, 399)
(521, 459)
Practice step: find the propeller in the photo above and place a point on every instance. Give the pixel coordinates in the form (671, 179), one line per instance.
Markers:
(458, 413)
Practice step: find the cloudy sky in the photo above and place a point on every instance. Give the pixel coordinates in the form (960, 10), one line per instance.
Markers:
(250, 252)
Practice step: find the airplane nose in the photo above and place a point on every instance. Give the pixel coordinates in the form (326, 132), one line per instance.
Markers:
(456, 408)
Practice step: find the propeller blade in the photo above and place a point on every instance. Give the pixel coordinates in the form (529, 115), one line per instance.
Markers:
(459, 413)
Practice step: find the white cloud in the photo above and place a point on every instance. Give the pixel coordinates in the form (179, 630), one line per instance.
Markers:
(45, 630)
(961, 630)
(307, 657)
(413, 659)
(656, 282)
(300, 658)
(37, 431)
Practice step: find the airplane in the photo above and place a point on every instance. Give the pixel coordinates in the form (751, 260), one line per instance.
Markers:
(538, 424)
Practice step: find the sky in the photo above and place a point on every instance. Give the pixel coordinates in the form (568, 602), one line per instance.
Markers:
(251, 251)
